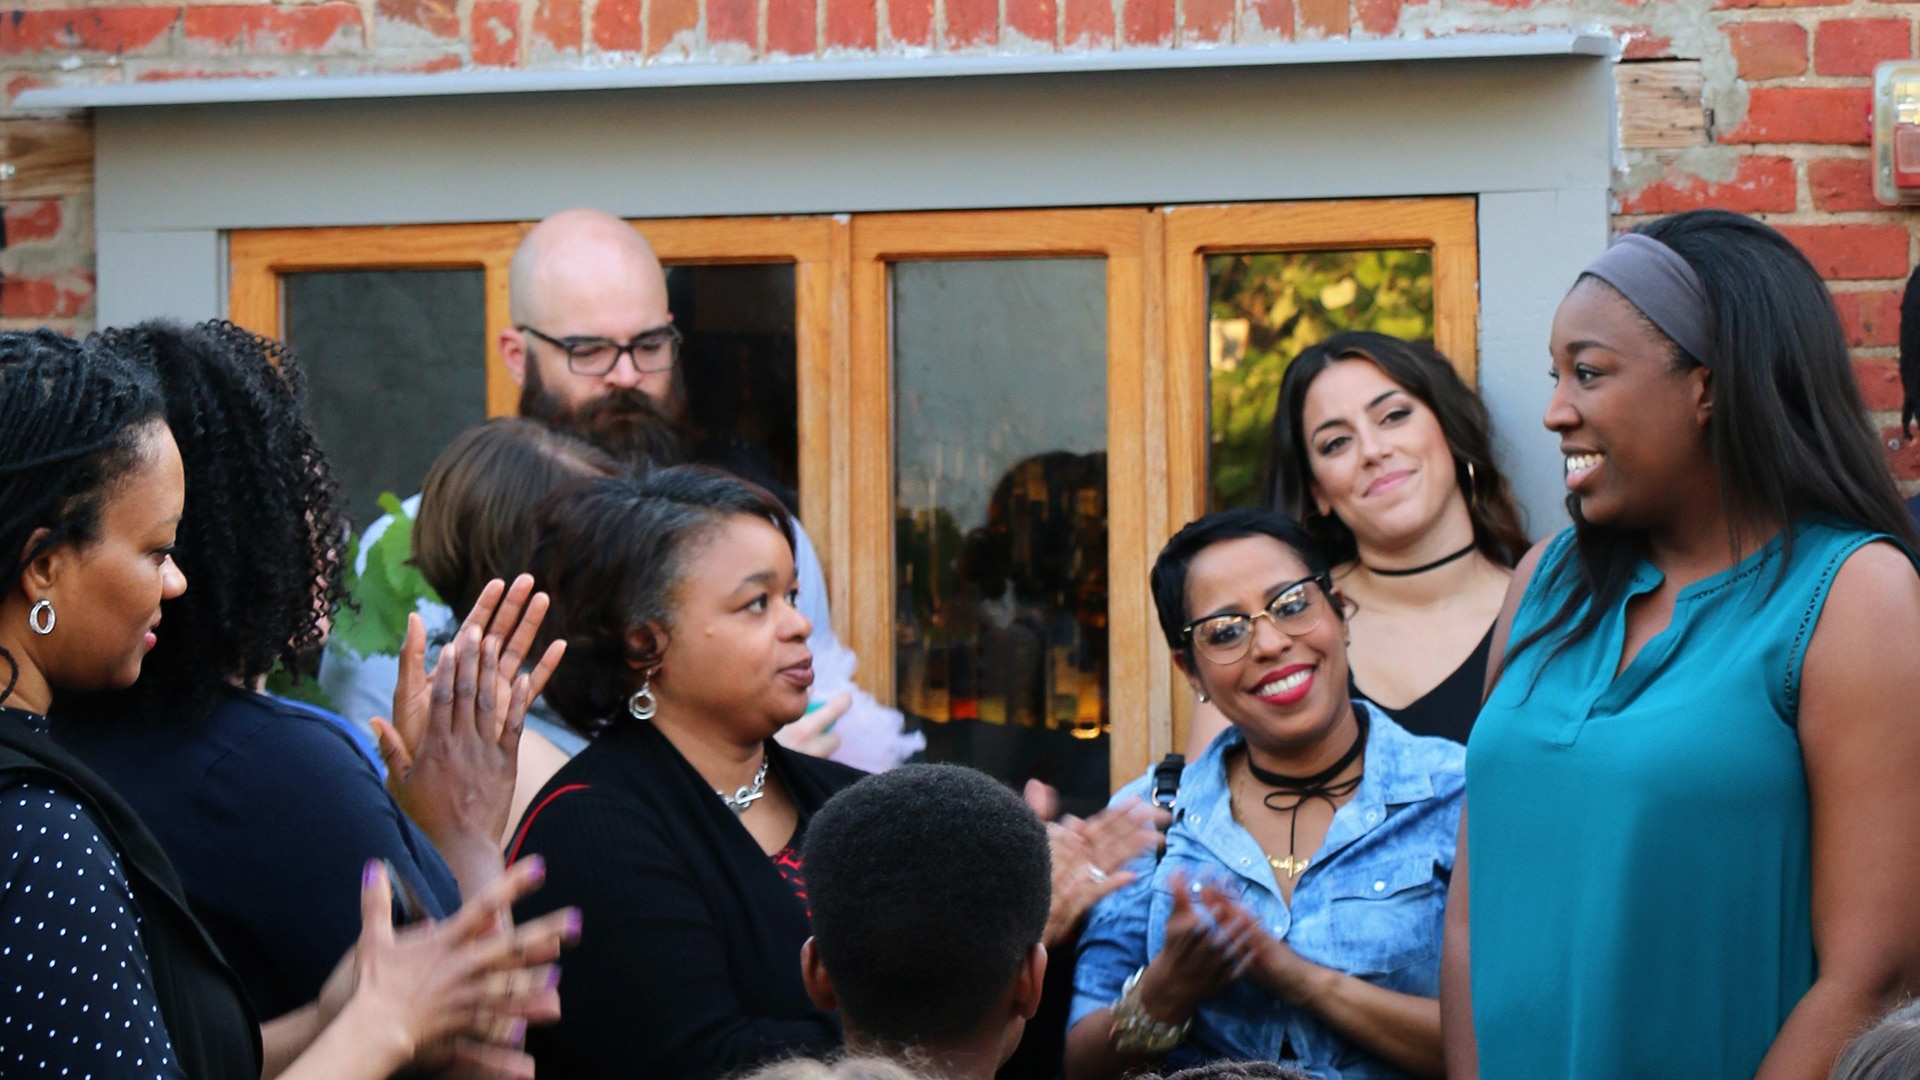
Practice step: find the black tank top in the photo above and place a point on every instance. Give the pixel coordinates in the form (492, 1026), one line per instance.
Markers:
(1447, 710)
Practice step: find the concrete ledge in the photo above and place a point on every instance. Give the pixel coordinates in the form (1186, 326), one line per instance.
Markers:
(662, 76)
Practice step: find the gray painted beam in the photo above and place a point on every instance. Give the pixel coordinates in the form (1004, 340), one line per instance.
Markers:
(145, 275)
(1139, 138)
(1532, 246)
(655, 76)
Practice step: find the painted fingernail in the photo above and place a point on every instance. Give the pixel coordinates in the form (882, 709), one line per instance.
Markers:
(553, 979)
(369, 872)
(573, 924)
(536, 867)
(517, 1034)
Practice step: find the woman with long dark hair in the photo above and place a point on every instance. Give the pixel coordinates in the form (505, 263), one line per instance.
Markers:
(1693, 821)
(1386, 456)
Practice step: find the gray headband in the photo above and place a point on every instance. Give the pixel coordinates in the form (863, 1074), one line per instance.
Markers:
(1655, 279)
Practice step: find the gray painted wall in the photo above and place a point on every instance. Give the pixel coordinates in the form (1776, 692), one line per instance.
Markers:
(1531, 137)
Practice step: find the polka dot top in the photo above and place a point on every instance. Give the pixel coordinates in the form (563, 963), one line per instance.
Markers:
(76, 992)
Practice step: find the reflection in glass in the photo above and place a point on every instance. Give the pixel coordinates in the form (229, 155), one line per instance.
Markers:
(738, 366)
(396, 364)
(1263, 309)
(1000, 377)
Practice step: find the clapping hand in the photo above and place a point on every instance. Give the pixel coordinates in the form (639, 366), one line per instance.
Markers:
(452, 749)
(464, 988)
(1088, 856)
(1197, 960)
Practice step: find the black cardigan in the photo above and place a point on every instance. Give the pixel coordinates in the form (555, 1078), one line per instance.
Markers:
(689, 958)
(214, 1033)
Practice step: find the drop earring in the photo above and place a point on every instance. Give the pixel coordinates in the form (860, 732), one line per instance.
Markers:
(41, 618)
(642, 706)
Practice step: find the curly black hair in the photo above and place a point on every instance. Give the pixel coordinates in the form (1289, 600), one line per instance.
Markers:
(261, 540)
(71, 424)
(929, 886)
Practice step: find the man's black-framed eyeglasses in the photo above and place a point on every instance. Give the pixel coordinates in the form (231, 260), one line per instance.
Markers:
(653, 352)
(1296, 609)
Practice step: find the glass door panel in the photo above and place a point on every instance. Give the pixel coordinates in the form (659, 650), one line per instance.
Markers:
(395, 363)
(1263, 308)
(1000, 509)
(739, 371)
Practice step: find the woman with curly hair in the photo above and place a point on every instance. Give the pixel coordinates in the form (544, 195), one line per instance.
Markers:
(106, 971)
(266, 807)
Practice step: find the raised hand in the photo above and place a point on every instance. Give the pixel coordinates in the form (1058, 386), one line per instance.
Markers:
(452, 750)
(812, 734)
(1088, 856)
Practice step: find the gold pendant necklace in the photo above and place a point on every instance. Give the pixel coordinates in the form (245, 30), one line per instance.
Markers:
(1293, 866)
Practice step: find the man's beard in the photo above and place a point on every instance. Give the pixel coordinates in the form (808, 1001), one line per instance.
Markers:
(625, 423)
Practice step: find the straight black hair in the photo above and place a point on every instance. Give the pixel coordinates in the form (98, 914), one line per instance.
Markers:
(1169, 575)
(1789, 434)
(1429, 377)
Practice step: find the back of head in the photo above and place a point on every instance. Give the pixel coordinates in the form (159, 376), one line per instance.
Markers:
(1888, 1051)
(609, 554)
(929, 886)
(1789, 434)
(846, 1068)
(1423, 372)
(261, 537)
(478, 502)
(71, 420)
(1235, 1070)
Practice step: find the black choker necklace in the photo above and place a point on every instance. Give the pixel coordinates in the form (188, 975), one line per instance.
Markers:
(1434, 565)
(1320, 785)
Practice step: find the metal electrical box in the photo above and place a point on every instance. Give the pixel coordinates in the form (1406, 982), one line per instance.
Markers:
(1896, 132)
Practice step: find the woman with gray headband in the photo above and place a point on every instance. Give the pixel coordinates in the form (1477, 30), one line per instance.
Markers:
(1694, 826)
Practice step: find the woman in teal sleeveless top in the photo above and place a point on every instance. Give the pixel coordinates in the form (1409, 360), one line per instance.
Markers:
(1692, 817)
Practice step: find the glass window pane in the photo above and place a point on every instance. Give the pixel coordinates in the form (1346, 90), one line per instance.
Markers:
(1000, 383)
(1263, 309)
(739, 367)
(396, 364)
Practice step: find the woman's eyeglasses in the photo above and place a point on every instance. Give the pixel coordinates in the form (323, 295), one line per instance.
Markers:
(1296, 609)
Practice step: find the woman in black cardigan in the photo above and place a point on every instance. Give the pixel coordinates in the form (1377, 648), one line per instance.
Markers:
(677, 831)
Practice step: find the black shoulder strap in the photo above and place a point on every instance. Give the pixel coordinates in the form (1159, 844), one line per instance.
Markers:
(1166, 780)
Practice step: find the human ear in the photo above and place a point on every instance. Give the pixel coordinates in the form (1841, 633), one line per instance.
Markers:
(40, 574)
(1702, 381)
(1031, 980)
(819, 984)
(513, 354)
(1185, 665)
(646, 647)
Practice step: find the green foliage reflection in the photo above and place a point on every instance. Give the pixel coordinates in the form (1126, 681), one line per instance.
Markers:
(1263, 309)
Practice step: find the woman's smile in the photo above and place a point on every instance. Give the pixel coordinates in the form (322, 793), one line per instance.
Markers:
(1286, 686)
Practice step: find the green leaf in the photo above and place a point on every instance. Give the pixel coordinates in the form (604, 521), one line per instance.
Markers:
(385, 592)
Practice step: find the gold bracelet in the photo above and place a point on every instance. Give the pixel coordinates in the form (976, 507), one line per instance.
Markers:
(1134, 1032)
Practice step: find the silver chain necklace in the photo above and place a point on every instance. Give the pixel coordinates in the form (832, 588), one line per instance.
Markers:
(747, 794)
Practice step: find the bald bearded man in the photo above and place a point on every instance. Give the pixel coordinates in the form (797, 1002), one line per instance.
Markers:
(592, 345)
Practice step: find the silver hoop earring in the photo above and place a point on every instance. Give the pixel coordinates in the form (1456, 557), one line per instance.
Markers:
(43, 608)
(641, 705)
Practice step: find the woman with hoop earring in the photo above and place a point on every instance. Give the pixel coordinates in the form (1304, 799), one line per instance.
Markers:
(1386, 456)
(681, 823)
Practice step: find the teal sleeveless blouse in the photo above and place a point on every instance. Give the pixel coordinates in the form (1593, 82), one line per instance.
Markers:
(1639, 846)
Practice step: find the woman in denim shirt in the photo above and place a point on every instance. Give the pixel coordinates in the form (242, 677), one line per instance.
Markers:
(1296, 914)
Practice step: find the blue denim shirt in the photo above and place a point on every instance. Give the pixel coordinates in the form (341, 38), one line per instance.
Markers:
(1371, 903)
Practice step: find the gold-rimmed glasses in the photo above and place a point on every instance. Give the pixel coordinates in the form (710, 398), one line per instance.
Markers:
(1296, 609)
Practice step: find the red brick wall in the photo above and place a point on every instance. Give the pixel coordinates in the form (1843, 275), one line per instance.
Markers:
(1753, 105)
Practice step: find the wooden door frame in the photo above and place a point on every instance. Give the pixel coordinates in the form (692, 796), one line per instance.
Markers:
(1120, 237)
(1446, 226)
